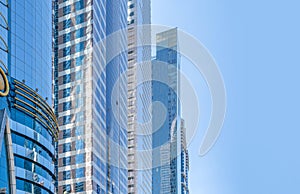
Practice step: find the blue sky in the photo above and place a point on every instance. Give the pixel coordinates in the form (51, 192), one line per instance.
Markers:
(256, 45)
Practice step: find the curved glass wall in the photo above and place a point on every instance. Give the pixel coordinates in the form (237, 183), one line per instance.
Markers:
(33, 125)
(34, 132)
(3, 43)
(4, 165)
(4, 178)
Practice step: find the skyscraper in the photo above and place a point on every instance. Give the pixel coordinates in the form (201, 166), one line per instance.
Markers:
(92, 140)
(28, 126)
(116, 95)
(169, 149)
(139, 97)
(184, 160)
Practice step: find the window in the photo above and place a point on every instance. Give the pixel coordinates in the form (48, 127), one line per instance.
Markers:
(79, 47)
(78, 75)
(66, 51)
(67, 10)
(79, 187)
(79, 130)
(79, 144)
(79, 116)
(67, 105)
(79, 60)
(80, 172)
(79, 158)
(66, 133)
(78, 88)
(79, 33)
(67, 78)
(66, 92)
(131, 6)
(67, 119)
(131, 22)
(19, 162)
(67, 23)
(79, 5)
(131, 14)
(67, 37)
(67, 188)
(67, 64)
(66, 147)
(66, 175)
(79, 102)
(67, 161)
(79, 19)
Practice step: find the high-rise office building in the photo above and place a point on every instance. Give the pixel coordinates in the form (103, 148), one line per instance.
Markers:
(184, 160)
(169, 147)
(139, 97)
(91, 152)
(116, 95)
(28, 126)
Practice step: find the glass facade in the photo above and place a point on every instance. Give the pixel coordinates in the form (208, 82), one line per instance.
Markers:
(139, 98)
(170, 157)
(30, 44)
(4, 164)
(4, 169)
(116, 109)
(82, 96)
(26, 59)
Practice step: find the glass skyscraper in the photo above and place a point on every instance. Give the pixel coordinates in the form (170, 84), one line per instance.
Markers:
(170, 157)
(139, 97)
(29, 129)
(92, 147)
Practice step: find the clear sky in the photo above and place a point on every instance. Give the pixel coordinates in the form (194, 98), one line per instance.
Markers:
(257, 47)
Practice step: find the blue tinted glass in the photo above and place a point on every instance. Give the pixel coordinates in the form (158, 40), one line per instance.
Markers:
(78, 75)
(78, 89)
(79, 60)
(19, 162)
(66, 175)
(79, 144)
(79, 172)
(66, 92)
(79, 102)
(67, 188)
(79, 117)
(20, 184)
(79, 19)
(66, 78)
(67, 37)
(79, 47)
(66, 147)
(79, 33)
(67, 105)
(79, 130)
(66, 51)
(67, 161)
(79, 158)
(27, 187)
(79, 187)
(67, 23)
(67, 64)
(67, 119)
(79, 5)
(66, 133)
(67, 10)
